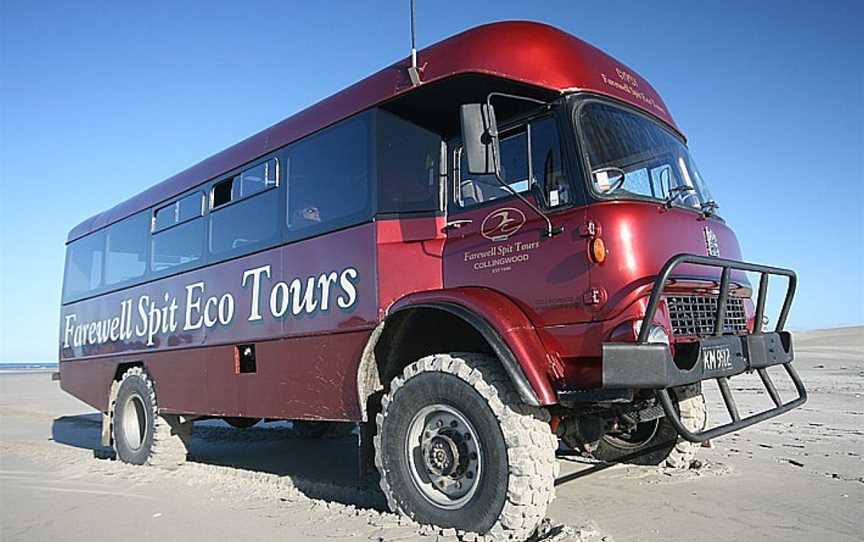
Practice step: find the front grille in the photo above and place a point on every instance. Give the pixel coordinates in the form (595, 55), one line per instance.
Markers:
(694, 315)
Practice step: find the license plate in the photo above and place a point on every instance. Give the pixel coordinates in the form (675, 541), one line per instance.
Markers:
(717, 359)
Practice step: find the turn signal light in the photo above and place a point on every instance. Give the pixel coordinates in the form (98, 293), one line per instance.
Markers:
(597, 250)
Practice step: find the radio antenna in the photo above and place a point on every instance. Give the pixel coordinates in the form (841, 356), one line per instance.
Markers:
(413, 70)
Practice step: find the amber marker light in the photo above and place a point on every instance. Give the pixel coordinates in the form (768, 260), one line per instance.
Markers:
(597, 249)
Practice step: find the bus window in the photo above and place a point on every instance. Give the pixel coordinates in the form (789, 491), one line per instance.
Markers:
(179, 233)
(255, 179)
(181, 245)
(246, 225)
(126, 253)
(84, 259)
(408, 166)
(179, 211)
(328, 179)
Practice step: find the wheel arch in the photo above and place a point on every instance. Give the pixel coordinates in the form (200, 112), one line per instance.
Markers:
(469, 319)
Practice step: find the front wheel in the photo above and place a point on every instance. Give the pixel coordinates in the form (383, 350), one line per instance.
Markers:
(457, 448)
(656, 442)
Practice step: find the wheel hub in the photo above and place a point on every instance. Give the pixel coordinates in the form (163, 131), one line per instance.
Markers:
(443, 451)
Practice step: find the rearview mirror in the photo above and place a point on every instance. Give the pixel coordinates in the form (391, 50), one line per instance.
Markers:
(480, 139)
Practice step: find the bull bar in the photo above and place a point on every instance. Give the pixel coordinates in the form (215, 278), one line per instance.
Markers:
(644, 365)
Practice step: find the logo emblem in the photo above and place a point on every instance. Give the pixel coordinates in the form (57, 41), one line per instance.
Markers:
(502, 223)
(712, 246)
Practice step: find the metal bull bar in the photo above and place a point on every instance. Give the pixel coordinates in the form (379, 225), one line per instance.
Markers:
(718, 357)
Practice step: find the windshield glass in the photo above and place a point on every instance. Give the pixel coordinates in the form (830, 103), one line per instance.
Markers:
(631, 156)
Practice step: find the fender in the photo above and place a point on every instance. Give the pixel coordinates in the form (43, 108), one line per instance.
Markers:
(513, 337)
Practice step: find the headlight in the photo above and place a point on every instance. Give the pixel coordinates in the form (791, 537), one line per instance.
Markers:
(656, 334)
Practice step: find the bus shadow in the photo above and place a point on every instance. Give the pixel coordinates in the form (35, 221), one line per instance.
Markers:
(320, 468)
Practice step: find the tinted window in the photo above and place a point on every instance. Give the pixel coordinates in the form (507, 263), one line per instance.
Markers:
(408, 166)
(179, 211)
(474, 189)
(177, 246)
(246, 225)
(328, 179)
(84, 259)
(126, 257)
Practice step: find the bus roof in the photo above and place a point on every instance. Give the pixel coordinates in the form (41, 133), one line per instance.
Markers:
(528, 52)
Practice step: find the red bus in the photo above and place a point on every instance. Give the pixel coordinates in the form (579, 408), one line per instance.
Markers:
(503, 250)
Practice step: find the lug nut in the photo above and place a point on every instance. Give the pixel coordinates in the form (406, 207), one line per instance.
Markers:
(439, 423)
(454, 423)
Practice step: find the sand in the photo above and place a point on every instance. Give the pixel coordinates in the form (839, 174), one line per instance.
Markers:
(796, 477)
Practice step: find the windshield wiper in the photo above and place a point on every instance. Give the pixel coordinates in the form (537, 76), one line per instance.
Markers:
(709, 208)
(675, 193)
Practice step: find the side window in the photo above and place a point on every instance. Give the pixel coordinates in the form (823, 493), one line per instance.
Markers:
(328, 179)
(178, 233)
(531, 159)
(475, 189)
(408, 165)
(126, 252)
(251, 220)
(179, 211)
(549, 182)
(84, 261)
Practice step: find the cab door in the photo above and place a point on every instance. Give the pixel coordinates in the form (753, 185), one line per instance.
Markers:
(495, 240)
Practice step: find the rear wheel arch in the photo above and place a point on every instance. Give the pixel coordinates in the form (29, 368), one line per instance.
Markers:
(457, 327)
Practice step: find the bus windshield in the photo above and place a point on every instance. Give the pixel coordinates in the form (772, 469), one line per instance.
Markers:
(632, 157)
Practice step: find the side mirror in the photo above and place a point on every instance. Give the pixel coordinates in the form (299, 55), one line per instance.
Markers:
(480, 139)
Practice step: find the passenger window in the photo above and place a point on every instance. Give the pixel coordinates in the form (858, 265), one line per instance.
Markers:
(328, 179)
(181, 245)
(222, 193)
(126, 252)
(84, 259)
(180, 211)
(246, 225)
(254, 180)
(475, 189)
(247, 183)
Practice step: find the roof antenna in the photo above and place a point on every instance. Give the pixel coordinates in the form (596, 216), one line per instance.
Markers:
(413, 70)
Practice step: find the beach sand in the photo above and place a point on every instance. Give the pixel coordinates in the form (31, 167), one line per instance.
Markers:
(796, 477)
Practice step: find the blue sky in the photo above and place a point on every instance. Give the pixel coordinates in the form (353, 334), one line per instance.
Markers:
(102, 99)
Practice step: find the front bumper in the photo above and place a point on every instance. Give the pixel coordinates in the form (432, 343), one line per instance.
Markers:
(642, 365)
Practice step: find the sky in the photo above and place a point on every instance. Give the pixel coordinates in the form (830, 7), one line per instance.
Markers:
(99, 100)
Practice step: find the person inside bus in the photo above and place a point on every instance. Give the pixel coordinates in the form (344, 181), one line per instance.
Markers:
(305, 216)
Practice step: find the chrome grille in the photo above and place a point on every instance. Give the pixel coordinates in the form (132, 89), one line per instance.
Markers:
(694, 315)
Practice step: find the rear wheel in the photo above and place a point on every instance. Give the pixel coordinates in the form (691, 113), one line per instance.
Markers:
(140, 434)
(457, 448)
(657, 442)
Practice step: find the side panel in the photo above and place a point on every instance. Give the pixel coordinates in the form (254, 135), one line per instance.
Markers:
(309, 313)
(409, 258)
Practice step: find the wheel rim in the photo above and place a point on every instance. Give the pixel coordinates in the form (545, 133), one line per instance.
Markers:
(444, 456)
(630, 441)
(134, 422)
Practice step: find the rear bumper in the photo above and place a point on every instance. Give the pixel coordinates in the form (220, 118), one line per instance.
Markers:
(642, 365)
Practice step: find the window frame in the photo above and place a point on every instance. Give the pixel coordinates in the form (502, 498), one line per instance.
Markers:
(201, 195)
(237, 173)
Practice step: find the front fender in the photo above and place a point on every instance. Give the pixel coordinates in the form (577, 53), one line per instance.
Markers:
(512, 336)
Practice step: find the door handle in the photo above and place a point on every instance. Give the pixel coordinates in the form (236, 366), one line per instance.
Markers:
(456, 224)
